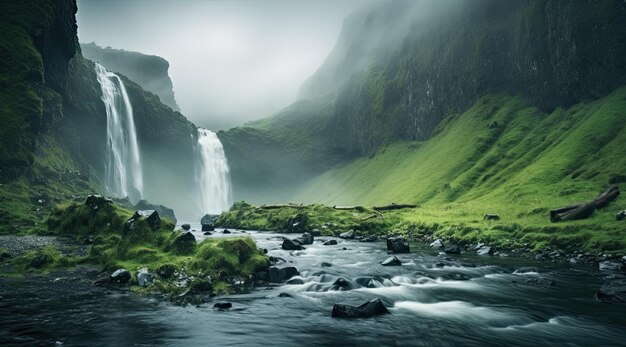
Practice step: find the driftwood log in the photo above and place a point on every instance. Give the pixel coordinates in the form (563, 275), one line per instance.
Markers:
(393, 206)
(348, 207)
(584, 210)
(276, 206)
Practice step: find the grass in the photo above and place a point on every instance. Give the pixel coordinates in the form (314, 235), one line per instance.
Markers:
(502, 156)
(223, 266)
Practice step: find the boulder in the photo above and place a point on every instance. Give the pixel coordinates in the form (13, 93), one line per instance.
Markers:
(96, 201)
(208, 219)
(391, 261)
(368, 309)
(453, 249)
(207, 227)
(184, 243)
(490, 216)
(614, 291)
(207, 233)
(221, 306)
(348, 235)
(226, 231)
(370, 238)
(163, 211)
(166, 270)
(307, 239)
(290, 245)
(343, 284)
(40, 260)
(144, 278)
(150, 216)
(120, 276)
(330, 243)
(325, 264)
(437, 244)
(621, 215)
(610, 266)
(397, 245)
(278, 275)
(485, 250)
(298, 223)
(186, 227)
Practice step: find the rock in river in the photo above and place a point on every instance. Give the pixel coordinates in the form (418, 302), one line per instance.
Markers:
(485, 250)
(186, 227)
(438, 244)
(348, 235)
(452, 249)
(397, 245)
(144, 278)
(330, 243)
(368, 309)
(391, 261)
(278, 275)
(120, 276)
(613, 291)
(290, 245)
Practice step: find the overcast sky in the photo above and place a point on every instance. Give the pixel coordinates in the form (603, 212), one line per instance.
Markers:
(230, 61)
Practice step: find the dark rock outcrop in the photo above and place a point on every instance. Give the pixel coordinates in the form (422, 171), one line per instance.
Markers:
(613, 291)
(185, 243)
(150, 216)
(391, 261)
(185, 227)
(485, 250)
(348, 235)
(278, 275)
(397, 245)
(163, 211)
(368, 309)
(330, 243)
(291, 245)
(96, 201)
(120, 276)
(452, 249)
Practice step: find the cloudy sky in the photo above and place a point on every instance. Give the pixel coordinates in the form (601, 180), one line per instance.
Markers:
(230, 61)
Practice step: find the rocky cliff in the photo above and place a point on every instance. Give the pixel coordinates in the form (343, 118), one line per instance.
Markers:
(53, 133)
(401, 67)
(148, 71)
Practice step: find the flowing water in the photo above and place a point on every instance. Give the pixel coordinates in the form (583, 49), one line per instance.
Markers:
(467, 301)
(123, 174)
(213, 176)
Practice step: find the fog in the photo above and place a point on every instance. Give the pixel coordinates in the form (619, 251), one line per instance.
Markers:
(230, 61)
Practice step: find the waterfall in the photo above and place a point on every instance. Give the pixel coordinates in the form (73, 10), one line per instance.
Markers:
(122, 175)
(213, 176)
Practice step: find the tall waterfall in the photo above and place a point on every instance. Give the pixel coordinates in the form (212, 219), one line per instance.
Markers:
(213, 175)
(123, 175)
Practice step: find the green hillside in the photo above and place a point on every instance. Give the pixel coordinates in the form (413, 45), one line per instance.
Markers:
(501, 156)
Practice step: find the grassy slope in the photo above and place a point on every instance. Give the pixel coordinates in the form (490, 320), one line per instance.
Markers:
(502, 156)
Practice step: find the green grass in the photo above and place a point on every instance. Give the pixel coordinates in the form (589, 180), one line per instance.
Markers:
(501, 156)
(224, 265)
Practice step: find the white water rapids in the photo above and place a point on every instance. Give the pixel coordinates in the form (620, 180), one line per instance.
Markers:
(123, 174)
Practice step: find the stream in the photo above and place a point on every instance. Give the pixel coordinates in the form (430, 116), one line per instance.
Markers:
(469, 300)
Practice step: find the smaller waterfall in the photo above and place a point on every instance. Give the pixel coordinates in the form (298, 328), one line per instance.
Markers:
(213, 175)
(123, 174)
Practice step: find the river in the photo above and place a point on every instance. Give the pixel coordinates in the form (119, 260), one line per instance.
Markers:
(434, 301)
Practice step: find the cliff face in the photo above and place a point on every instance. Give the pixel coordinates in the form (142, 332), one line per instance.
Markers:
(53, 133)
(401, 67)
(148, 71)
(554, 53)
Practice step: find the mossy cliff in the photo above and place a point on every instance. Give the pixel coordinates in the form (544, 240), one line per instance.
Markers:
(53, 134)
(149, 71)
(401, 67)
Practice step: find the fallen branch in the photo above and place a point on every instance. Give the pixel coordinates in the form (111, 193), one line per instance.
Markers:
(348, 207)
(393, 206)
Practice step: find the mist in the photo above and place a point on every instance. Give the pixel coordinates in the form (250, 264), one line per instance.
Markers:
(230, 61)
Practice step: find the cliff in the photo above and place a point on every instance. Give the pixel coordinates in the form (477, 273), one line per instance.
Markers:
(53, 133)
(401, 67)
(148, 71)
